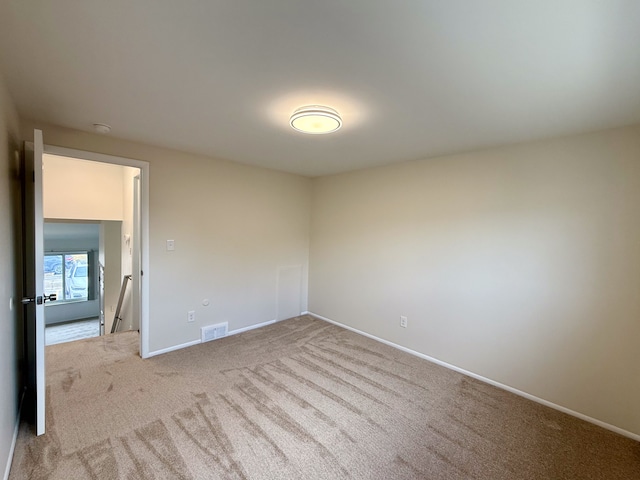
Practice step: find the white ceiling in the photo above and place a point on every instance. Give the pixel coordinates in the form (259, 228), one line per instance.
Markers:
(412, 79)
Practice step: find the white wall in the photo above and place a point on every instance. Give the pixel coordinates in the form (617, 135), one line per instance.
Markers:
(78, 189)
(10, 277)
(234, 227)
(520, 264)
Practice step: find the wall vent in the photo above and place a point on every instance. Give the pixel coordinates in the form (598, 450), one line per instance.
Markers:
(212, 332)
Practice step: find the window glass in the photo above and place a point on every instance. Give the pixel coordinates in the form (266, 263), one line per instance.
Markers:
(54, 275)
(69, 280)
(81, 271)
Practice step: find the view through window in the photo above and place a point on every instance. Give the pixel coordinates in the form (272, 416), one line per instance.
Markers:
(67, 275)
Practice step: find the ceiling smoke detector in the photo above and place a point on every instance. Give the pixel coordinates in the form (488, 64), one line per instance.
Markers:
(315, 119)
(102, 128)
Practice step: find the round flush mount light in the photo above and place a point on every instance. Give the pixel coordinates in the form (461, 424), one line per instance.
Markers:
(315, 119)
(102, 128)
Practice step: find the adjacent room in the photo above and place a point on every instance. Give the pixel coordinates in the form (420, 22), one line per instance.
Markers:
(88, 244)
(320, 240)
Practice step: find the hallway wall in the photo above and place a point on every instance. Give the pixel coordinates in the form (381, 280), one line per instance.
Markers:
(11, 336)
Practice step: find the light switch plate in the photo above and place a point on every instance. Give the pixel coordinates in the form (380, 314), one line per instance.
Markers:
(171, 245)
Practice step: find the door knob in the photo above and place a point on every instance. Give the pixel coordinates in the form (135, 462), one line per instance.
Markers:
(38, 300)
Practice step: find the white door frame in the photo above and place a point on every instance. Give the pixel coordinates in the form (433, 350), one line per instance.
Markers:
(144, 225)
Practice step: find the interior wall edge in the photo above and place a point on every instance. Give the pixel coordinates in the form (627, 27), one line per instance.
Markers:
(11, 321)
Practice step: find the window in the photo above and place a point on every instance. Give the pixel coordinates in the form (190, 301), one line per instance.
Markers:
(67, 275)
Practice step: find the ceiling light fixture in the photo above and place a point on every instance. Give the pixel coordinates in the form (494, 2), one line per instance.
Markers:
(102, 128)
(315, 119)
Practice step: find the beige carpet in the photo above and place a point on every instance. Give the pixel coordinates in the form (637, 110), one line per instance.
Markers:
(300, 399)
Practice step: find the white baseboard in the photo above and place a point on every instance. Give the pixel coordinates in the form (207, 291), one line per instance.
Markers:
(196, 342)
(526, 395)
(250, 327)
(171, 349)
(12, 449)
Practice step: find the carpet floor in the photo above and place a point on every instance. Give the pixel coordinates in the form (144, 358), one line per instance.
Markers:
(299, 399)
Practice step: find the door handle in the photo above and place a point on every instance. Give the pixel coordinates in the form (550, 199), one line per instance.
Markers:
(38, 300)
(51, 298)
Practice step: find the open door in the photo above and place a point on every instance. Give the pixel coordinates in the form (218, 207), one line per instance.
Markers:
(34, 280)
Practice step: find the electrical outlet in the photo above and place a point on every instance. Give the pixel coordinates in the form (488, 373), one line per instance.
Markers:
(403, 322)
(191, 316)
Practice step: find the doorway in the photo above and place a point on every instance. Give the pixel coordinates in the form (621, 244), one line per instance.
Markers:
(109, 195)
